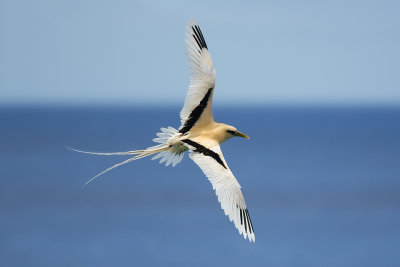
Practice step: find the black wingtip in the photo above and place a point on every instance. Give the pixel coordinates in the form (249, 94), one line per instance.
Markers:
(250, 223)
(198, 36)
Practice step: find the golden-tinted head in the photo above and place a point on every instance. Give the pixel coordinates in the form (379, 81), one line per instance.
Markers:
(222, 132)
(232, 132)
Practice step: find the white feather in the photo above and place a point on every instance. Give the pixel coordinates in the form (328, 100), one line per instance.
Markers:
(227, 189)
(202, 77)
(174, 152)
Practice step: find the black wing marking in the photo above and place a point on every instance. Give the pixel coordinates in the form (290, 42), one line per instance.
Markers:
(250, 223)
(198, 36)
(245, 220)
(196, 113)
(205, 151)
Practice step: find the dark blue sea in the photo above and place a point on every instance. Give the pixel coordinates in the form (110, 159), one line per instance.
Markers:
(322, 186)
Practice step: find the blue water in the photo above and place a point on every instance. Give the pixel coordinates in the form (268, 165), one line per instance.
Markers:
(322, 187)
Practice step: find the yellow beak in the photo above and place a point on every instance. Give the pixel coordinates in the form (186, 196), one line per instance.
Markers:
(237, 133)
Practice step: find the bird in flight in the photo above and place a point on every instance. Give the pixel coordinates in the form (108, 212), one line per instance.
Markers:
(200, 135)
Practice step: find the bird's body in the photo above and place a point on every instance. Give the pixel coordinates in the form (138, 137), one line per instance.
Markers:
(200, 135)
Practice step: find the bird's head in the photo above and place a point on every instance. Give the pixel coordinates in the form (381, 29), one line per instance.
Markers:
(232, 132)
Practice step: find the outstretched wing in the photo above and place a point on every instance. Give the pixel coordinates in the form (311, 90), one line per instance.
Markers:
(227, 188)
(198, 103)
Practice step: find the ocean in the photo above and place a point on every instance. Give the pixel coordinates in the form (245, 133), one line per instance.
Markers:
(322, 186)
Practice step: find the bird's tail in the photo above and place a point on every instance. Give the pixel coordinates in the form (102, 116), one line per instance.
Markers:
(163, 151)
(168, 138)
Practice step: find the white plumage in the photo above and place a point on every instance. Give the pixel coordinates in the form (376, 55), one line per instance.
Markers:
(228, 191)
(200, 134)
(202, 75)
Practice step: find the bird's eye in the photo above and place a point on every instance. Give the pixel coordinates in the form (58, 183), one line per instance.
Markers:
(230, 132)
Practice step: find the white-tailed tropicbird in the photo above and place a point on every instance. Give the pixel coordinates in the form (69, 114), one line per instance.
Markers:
(200, 134)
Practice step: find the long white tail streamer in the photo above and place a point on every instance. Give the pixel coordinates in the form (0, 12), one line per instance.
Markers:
(133, 152)
(165, 152)
(139, 154)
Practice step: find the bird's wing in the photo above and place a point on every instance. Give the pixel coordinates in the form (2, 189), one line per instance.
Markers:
(227, 188)
(198, 103)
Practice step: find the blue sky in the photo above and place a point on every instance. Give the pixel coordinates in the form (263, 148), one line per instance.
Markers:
(265, 52)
